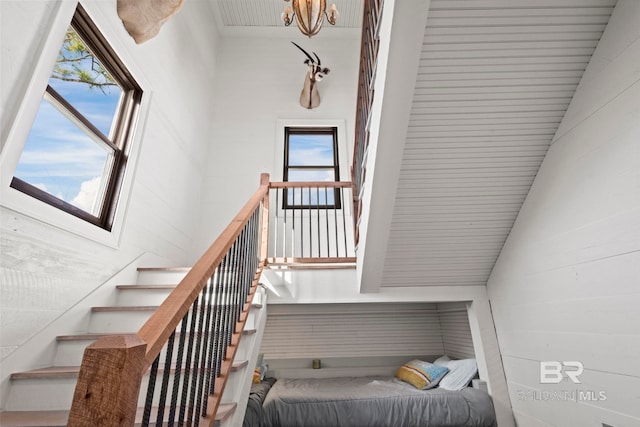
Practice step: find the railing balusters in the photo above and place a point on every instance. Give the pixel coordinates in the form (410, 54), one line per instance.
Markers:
(196, 360)
(318, 219)
(293, 225)
(326, 218)
(344, 223)
(285, 195)
(178, 371)
(302, 225)
(166, 374)
(215, 345)
(316, 235)
(335, 216)
(150, 392)
(187, 364)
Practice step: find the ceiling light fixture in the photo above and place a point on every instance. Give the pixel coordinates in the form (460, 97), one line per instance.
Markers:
(309, 15)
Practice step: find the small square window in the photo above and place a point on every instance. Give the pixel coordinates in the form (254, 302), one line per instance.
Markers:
(311, 155)
(75, 154)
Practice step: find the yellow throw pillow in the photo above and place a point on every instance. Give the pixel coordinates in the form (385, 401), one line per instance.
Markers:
(421, 375)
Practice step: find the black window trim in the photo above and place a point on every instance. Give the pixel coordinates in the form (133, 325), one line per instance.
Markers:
(125, 119)
(333, 130)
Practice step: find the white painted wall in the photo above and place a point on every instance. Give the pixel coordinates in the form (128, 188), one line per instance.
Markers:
(566, 285)
(256, 94)
(45, 270)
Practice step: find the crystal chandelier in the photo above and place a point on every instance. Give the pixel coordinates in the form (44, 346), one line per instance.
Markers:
(309, 15)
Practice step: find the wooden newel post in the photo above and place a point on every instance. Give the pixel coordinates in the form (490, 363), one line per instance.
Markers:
(109, 382)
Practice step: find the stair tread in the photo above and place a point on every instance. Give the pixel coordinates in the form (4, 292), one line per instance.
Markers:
(164, 268)
(147, 286)
(59, 418)
(97, 335)
(48, 372)
(119, 308)
(33, 418)
(224, 411)
(239, 365)
(89, 336)
(73, 371)
(115, 308)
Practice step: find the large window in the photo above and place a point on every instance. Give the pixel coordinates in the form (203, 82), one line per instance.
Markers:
(76, 152)
(311, 155)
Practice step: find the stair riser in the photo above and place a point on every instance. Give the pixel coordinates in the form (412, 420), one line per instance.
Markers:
(118, 321)
(69, 353)
(160, 277)
(40, 394)
(133, 297)
(146, 297)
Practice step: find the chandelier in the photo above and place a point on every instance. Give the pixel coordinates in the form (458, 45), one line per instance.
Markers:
(309, 15)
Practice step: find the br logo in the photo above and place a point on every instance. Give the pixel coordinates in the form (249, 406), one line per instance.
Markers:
(551, 371)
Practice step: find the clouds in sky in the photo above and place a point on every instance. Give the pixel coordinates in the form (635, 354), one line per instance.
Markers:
(59, 157)
(311, 150)
(86, 198)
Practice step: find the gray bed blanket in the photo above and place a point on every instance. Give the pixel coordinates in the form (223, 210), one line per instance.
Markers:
(254, 415)
(373, 402)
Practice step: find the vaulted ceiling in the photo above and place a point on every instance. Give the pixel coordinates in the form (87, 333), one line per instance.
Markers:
(494, 80)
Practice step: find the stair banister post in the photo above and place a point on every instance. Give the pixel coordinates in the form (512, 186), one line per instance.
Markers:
(108, 385)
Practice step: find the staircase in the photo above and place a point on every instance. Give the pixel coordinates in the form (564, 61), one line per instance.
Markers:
(42, 397)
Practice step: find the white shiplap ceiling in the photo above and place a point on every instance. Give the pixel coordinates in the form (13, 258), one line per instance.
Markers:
(494, 81)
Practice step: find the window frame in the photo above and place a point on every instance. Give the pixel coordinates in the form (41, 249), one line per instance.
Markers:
(124, 123)
(317, 130)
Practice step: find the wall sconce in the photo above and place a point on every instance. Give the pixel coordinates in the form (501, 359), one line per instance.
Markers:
(309, 15)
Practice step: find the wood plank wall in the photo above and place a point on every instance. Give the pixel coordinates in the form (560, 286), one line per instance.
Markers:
(380, 330)
(565, 287)
(351, 330)
(456, 333)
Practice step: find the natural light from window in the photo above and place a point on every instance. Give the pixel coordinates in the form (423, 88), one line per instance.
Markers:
(75, 155)
(62, 156)
(311, 155)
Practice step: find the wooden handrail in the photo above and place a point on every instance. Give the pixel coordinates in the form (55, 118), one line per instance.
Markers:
(156, 331)
(312, 184)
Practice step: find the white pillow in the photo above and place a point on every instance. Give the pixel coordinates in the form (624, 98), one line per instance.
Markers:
(460, 374)
(442, 360)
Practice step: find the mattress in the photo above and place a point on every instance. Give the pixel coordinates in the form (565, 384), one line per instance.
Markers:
(373, 402)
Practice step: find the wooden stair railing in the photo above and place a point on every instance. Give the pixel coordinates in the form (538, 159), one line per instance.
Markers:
(200, 323)
(212, 301)
(370, 42)
(309, 226)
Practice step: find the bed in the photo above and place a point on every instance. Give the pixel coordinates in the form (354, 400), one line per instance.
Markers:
(365, 401)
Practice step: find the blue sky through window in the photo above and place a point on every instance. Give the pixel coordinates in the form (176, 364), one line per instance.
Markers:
(311, 157)
(311, 150)
(65, 159)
